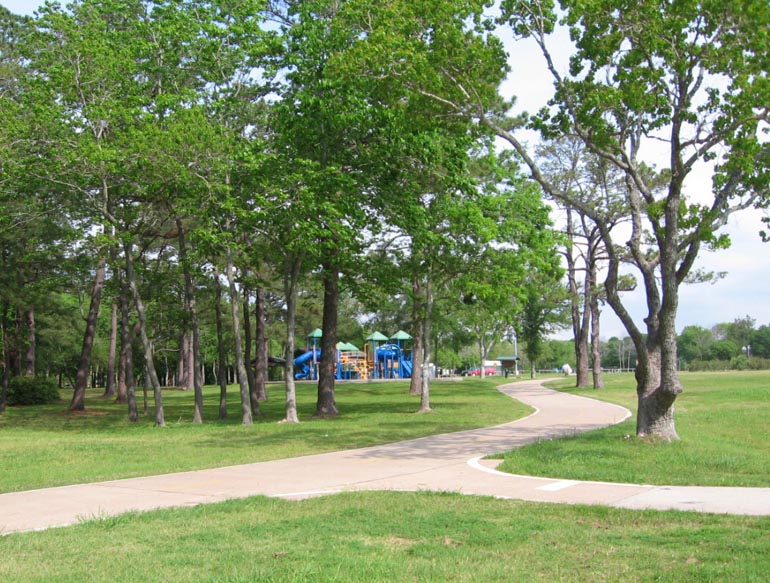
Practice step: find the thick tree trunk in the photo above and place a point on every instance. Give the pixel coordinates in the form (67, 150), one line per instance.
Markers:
(81, 377)
(326, 406)
(260, 369)
(109, 389)
(31, 343)
(655, 415)
(246, 411)
(221, 352)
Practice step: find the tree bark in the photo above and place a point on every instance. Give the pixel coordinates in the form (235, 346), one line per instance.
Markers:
(126, 373)
(248, 351)
(326, 406)
(81, 377)
(193, 361)
(415, 383)
(246, 411)
(260, 369)
(291, 276)
(6, 356)
(109, 389)
(221, 352)
(149, 359)
(424, 371)
(596, 351)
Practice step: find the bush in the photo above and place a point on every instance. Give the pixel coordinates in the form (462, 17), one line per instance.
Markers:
(32, 391)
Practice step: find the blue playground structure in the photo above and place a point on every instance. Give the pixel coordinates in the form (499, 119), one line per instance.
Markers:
(390, 360)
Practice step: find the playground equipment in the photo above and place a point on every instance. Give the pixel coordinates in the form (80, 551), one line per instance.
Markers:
(391, 360)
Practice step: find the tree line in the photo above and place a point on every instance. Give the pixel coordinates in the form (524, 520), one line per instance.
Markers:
(187, 184)
(265, 144)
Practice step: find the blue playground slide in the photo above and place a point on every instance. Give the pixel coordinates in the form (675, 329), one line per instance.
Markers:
(406, 366)
(302, 361)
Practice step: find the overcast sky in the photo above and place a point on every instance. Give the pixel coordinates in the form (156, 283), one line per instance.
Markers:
(744, 291)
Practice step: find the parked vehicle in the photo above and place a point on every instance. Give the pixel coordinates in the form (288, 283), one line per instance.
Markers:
(489, 371)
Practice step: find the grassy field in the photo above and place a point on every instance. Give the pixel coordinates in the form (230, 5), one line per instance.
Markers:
(723, 420)
(394, 537)
(47, 446)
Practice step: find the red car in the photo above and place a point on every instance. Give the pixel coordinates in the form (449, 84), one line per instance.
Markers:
(489, 371)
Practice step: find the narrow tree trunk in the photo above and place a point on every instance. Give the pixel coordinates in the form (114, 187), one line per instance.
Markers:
(326, 406)
(221, 352)
(146, 342)
(31, 343)
(418, 356)
(81, 377)
(260, 370)
(596, 351)
(246, 411)
(248, 351)
(425, 368)
(109, 389)
(290, 286)
(193, 361)
(126, 374)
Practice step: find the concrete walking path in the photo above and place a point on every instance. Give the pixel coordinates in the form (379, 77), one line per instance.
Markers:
(450, 462)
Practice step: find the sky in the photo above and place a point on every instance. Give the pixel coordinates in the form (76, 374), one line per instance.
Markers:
(745, 289)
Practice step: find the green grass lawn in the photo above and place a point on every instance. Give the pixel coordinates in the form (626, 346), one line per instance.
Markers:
(723, 420)
(394, 537)
(47, 446)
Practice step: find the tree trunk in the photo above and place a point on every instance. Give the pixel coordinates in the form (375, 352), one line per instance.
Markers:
(126, 374)
(424, 371)
(184, 379)
(291, 276)
(596, 351)
(193, 361)
(655, 415)
(221, 352)
(109, 389)
(326, 406)
(580, 320)
(415, 383)
(81, 377)
(260, 369)
(246, 411)
(31, 343)
(149, 360)
(418, 356)
(248, 351)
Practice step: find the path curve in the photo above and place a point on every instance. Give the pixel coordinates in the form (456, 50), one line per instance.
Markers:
(450, 462)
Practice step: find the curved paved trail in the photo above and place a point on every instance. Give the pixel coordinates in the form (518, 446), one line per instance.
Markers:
(450, 462)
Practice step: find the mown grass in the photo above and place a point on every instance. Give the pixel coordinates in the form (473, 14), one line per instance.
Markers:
(394, 537)
(723, 420)
(47, 446)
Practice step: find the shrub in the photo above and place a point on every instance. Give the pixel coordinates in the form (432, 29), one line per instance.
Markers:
(32, 391)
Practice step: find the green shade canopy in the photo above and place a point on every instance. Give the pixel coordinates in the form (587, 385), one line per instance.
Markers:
(400, 335)
(377, 337)
(315, 333)
(346, 347)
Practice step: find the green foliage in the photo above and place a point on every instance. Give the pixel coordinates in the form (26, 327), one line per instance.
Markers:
(24, 391)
